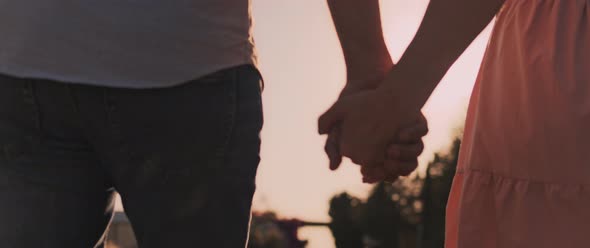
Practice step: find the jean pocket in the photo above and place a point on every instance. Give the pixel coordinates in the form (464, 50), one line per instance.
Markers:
(171, 135)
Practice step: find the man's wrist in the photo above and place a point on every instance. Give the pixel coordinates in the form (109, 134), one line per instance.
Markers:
(368, 69)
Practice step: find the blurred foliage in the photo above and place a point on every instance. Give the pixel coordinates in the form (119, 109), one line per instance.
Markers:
(265, 232)
(437, 186)
(268, 231)
(346, 212)
(409, 213)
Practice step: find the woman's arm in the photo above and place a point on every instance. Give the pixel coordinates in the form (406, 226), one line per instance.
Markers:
(448, 27)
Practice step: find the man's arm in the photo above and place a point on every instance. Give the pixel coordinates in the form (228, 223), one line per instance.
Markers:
(358, 25)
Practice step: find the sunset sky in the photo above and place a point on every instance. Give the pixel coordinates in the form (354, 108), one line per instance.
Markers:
(303, 68)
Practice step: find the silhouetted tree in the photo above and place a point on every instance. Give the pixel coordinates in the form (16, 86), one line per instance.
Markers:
(381, 218)
(437, 186)
(409, 213)
(266, 233)
(345, 212)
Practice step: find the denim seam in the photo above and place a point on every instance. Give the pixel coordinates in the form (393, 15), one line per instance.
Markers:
(231, 118)
(113, 126)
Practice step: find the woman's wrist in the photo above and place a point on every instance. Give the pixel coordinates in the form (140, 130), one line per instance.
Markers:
(409, 86)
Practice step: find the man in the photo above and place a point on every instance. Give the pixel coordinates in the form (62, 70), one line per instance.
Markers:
(158, 100)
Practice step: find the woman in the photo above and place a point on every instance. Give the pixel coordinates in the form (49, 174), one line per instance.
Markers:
(523, 178)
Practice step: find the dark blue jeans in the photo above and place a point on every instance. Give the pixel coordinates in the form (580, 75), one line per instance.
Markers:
(184, 160)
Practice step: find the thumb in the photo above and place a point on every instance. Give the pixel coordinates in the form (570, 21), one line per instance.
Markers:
(332, 148)
(330, 118)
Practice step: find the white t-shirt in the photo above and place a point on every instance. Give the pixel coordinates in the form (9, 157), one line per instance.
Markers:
(124, 43)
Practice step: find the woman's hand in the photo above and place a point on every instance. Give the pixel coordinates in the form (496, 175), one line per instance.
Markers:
(401, 156)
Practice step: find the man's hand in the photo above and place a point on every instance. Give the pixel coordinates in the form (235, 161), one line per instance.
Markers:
(332, 147)
(369, 120)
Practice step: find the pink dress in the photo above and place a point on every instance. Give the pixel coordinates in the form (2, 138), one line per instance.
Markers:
(523, 177)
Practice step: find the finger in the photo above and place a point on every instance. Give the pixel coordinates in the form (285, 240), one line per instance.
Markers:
(332, 149)
(413, 133)
(333, 156)
(373, 174)
(363, 156)
(404, 152)
(379, 174)
(392, 168)
(354, 158)
(367, 174)
(330, 118)
(400, 168)
(391, 178)
(406, 168)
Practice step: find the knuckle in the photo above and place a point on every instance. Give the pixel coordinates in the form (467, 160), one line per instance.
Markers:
(391, 178)
(420, 149)
(405, 173)
(407, 170)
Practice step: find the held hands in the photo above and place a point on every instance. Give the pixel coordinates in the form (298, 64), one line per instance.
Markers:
(375, 131)
(377, 121)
